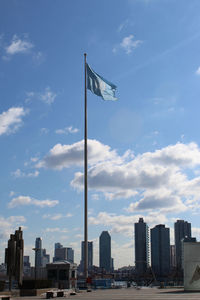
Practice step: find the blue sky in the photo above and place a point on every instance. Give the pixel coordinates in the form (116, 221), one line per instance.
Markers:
(144, 149)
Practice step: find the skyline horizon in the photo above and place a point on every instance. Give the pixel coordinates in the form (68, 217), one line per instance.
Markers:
(172, 243)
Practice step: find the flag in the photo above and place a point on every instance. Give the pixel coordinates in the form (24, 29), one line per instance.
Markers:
(100, 86)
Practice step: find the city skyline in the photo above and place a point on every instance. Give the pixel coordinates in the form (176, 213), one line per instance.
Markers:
(143, 150)
(149, 242)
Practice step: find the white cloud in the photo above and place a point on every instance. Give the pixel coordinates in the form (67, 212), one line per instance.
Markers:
(162, 199)
(64, 156)
(11, 120)
(26, 200)
(56, 217)
(38, 57)
(11, 193)
(196, 232)
(19, 174)
(95, 197)
(8, 225)
(57, 229)
(154, 180)
(123, 224)
(48, 96)
(67, 130)
(44, 130)
(124, 25)
(18, 45)
(198, 71)
(129, 44)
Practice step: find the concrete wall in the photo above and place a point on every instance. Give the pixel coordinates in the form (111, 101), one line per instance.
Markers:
(191, 257)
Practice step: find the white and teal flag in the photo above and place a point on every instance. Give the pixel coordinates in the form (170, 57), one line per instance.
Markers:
(100, 86)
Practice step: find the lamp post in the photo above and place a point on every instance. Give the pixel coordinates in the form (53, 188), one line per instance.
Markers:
(36, 250)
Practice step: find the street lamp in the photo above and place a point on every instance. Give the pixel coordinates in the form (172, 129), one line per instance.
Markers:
(36, 250)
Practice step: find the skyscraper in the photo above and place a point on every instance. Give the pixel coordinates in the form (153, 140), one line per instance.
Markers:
(105, 251)
(90, 254)
(182, 229)
(160, 250)
(63, 253)
(41, 257)
(38, 252)
(141, 246)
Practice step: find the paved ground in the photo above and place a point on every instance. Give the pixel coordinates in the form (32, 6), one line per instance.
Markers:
(133, 294)
(129, 294)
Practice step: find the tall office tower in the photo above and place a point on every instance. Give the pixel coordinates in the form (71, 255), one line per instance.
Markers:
(38, 252)
(160, 250)
(70, 255)
(90, 255)
(182, 229)
(141, 246)
(105, 251)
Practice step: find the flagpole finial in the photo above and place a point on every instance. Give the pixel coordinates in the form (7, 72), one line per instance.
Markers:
(85, 54)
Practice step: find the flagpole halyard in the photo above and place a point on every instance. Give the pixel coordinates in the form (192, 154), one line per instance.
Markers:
(85, 180)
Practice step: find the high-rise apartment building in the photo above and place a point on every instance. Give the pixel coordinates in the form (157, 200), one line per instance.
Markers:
(182, 229)
(160, 250)
(105, 251)
(141, 246)
(90, 255)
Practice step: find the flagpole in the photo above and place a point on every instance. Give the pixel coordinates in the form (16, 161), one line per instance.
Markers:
(85, 181)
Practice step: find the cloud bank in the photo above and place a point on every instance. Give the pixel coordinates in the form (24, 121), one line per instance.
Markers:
(165, 179)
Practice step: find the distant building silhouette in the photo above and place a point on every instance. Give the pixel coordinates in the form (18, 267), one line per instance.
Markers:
(26, 261)
(70, 255)
(105, 251)
(90, 255)
(160, 250)
(182, 229)
(63, 253)
(45, 258)
(141, 246)
(58, 245)
(14, 254)
(41, 257)
(38, 252)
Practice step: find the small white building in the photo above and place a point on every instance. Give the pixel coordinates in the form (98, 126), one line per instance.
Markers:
(191, 258)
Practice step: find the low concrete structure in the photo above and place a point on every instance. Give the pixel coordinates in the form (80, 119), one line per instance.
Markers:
(191, 258)
(63, 274)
